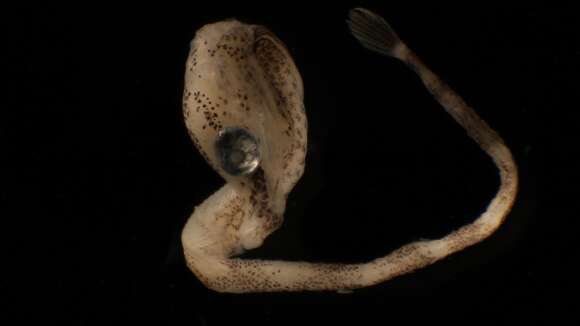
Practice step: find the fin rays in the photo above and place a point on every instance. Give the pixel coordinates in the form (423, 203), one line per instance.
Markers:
(372, 31)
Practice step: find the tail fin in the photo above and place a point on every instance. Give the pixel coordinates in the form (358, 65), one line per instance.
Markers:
(372, 31)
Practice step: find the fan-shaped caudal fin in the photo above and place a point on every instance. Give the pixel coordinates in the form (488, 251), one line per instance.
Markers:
(372, 31)
(237, 275)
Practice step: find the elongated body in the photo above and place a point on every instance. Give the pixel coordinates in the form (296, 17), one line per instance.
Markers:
(243, 108)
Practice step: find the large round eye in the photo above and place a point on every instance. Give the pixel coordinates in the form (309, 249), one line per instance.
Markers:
(237, 151)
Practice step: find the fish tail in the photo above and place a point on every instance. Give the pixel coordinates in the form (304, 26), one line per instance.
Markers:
(373, 32)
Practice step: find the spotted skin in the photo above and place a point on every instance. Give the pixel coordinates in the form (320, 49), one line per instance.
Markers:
(242, 76)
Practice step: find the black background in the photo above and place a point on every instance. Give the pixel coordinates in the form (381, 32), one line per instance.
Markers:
(100, 176)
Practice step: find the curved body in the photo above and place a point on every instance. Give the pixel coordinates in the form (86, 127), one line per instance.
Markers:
(241, 80)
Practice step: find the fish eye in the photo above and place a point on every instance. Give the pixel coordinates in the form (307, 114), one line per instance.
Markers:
(238, 151)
